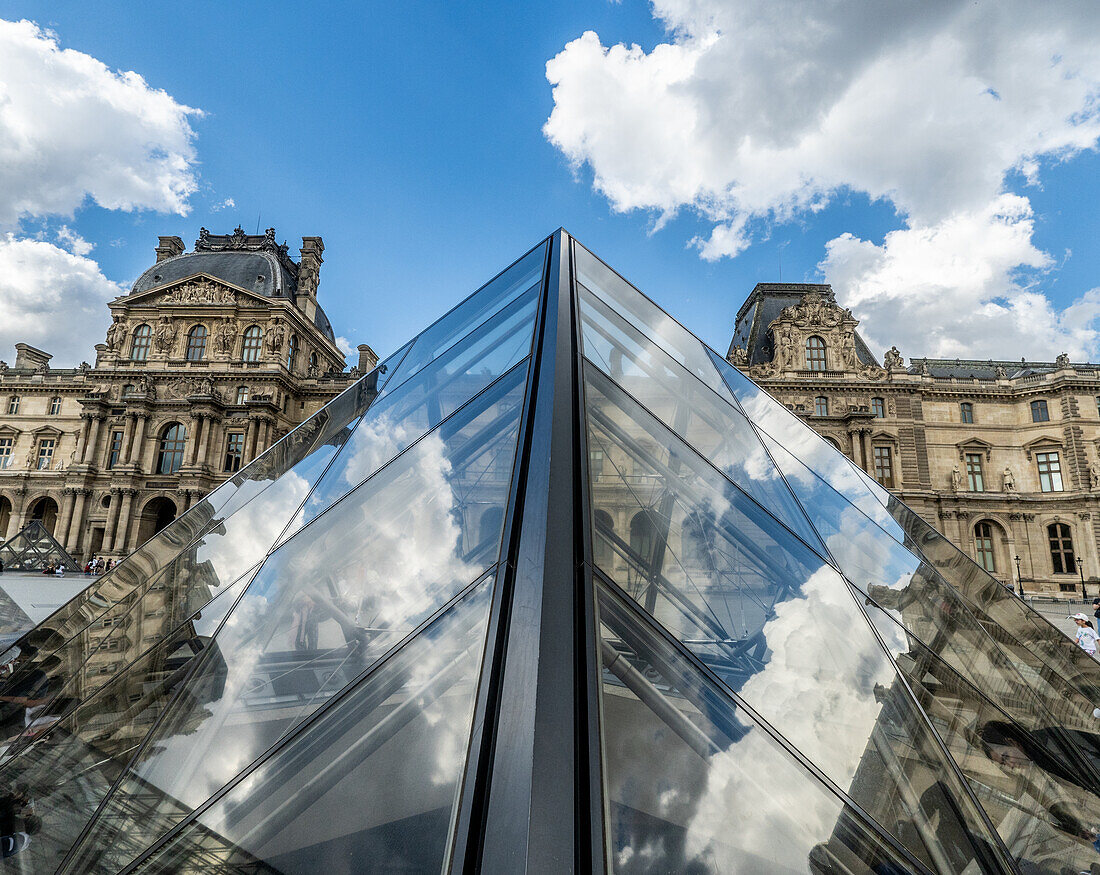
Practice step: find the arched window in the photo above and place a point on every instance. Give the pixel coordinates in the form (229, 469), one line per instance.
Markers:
(292, 352)
(821, 406)
(242, 394)
(1061, 548)
(196, 343)
(313, 361)
(815, 353)
(173, 438)
(139, 348)
(983, 546)
(878, 407)
(253, 344)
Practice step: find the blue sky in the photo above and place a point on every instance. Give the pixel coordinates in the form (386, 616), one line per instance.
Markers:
(411, 137)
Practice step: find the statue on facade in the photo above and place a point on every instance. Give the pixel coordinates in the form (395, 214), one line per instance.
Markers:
(893, 359)
(1062, 361)
(206, 386)
(116, 333)
(848, 351)
(1002, 374)
(30, 458)
(786, 349)
(1094, 477)
(1008, 481)
(164, 335)
(274, 338)
(956, 479)
(145, 387)
(85, 367)
(738, 357)
(225, 337)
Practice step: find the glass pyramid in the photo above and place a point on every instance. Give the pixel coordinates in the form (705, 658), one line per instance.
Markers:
(33, 548)
(553, 589)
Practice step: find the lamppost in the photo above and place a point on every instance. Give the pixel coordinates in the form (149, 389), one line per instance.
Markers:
(1019, 577)
(1080, 570)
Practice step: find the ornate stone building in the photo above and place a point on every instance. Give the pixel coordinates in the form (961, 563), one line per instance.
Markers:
(212, 356)
(1002, 457)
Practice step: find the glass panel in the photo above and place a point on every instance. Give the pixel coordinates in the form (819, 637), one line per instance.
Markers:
(371, 784)
(52, 789)
(768, 616)
(647, 317)
(399, 418)
(1045, 808)
(708, 423)
(694, 784)
(921, 601)
(523, 276)
(324, 607)
(772, 418)
(306, 450)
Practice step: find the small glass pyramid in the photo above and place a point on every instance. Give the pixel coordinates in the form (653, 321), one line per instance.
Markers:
(33, 548)
(553, 589)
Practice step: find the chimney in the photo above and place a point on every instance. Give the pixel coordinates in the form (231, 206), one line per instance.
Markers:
(368, 358)
(27, 356)
(309, 270)
(169, 247)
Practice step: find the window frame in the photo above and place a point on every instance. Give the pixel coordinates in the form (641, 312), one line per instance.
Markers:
(292, 348)
(44, 453)
(252, 344)
(243, 394)
(13, 405)
(1059, 535)
(878, 407)
(6, 443)
(114, 447)
(975, 476)
(883, 474)
(816, 356)
(1049, 466)
(140, 340)
(234, 452)
(983, 546)
(966, 412)
(821, 406)
(197, 338)
(55, 405)
(170, 449)
(1040, 411)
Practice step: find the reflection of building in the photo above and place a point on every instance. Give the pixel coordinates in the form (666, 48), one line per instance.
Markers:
(212, 356)
(1002, 457)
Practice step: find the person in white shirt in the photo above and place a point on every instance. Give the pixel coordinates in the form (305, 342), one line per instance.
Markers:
(1086, 635)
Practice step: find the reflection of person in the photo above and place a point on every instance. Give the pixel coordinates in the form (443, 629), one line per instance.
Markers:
(1086, 634)
(304, 625)
(17, 821)
(26, 696)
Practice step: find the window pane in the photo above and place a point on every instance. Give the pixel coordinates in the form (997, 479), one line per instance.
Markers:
(707, 421)
(884, 466)
(196, 343)
(375, 780)
(325, 606)
(646, 317)
(761, 609)
(821, 406)
(683, 764)
(974, 472)
(878, 407)
(815, 354)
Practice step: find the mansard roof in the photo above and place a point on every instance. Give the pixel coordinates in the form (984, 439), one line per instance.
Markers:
(968, 369)
(763, 306)
(254, 262)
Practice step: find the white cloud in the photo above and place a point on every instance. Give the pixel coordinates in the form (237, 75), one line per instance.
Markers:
(52, 298)
(70, 240)
(226, 204)
(347, 348)
(756, 112)
(73, 129)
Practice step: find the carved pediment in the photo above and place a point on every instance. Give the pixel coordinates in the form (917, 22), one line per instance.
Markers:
(817, 310)
(974, 445)
(1043, 444)
(197, 289)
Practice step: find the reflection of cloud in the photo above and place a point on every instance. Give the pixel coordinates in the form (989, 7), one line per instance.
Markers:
(392, 553)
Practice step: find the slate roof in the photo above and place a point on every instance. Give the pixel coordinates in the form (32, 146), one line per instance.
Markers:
(252, 262)
(763, 306)
(966, 369)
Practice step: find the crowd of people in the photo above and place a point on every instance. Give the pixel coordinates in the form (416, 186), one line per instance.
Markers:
(96, 566)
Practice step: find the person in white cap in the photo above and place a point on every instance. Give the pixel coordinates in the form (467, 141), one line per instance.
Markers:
(1086, 635)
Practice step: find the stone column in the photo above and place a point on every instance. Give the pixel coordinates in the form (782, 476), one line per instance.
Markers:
(250, 440)
(868, 461)
(68, 502)
(72, 539)
(138, 444)
(123, 524)
(94, 422)
(112, 521)
(204, 447)
(195, 435)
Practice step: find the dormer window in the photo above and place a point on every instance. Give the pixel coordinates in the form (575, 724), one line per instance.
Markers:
(815, 354)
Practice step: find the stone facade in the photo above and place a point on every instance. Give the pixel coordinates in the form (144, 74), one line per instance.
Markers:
(1002, 457)
(212, 357)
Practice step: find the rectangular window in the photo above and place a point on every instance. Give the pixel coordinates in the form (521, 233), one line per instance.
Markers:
(1050, 472)
(974, 472)
(1061, 548)
(114, 449)
(234, 451)
(55, 406)
(6, 445)
(45, 453)
(884, 466)
(595, 463)
(878, 407)
(13, 404)
(1098, 405)
(966, 412)
(983, 541)
(821, 406)
(1039, 412)
(242, 394)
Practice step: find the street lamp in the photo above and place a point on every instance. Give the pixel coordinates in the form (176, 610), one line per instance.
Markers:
(1080, 567)
(1019, 577)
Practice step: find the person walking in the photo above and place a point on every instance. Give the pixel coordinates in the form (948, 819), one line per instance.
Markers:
(1086, 634)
